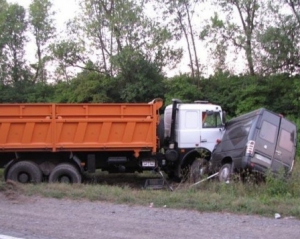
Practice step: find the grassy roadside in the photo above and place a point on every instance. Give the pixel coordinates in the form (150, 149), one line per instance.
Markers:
(273, 196)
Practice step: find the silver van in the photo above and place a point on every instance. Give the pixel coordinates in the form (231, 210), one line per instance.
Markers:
(258, 141)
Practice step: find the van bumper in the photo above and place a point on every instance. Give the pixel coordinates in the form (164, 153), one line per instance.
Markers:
(245, 162)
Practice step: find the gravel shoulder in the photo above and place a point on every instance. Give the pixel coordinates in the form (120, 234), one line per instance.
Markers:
(48, 218)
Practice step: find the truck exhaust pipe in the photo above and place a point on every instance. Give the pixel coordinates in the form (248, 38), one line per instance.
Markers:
(173, 121)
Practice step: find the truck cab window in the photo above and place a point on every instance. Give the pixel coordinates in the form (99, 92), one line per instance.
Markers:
(211, 119)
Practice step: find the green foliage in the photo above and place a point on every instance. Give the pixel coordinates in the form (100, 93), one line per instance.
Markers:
(42, 26)
(279, 39)
(109, 27)
(139, 79)
(87, 87)
(181, 87)
(12, 40)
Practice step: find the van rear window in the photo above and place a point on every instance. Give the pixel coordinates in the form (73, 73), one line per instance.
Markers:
(285, 140)
(268, 131)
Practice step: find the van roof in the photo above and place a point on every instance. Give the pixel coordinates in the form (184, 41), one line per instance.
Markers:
(253, 113)
(247, 115)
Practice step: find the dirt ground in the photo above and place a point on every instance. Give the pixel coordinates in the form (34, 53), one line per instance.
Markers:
(48, 218)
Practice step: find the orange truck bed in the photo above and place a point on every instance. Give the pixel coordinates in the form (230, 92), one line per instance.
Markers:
(79, 127)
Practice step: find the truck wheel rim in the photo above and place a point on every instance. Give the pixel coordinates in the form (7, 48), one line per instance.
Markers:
(65, 179)
(23, 178)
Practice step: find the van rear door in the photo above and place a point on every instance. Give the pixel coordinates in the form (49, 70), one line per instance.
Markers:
(286, 147)
(266, 139)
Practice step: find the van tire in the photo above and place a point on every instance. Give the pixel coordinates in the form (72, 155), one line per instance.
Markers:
(225, 173)
(65, 173)
(25, 172)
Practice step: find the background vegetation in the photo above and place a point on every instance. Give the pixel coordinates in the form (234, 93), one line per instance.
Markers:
(117, 51)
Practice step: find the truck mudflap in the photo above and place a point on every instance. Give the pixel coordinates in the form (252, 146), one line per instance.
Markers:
(77, 162)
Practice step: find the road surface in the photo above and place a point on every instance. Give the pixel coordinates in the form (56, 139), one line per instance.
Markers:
(48, 218)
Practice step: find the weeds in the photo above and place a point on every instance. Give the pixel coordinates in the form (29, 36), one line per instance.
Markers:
(246, 195)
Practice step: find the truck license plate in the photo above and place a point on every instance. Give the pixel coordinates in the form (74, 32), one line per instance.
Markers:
(148, 163)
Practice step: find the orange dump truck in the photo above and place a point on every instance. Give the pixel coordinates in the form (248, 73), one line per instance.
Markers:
(57, 142)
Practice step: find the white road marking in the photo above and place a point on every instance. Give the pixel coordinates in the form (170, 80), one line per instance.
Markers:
(9, 237)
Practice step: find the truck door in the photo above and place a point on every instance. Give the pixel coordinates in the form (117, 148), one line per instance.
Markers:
(193, 132)
(286, 146)
(188, 129)
(212, 129)
(266, 138)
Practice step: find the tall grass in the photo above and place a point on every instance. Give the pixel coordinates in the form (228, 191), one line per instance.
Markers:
(274, 195)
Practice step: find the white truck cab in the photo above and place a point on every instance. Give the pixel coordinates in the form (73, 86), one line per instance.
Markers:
(190, 129)
(197, 125)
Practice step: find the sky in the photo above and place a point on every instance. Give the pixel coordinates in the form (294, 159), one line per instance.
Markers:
(65, 9)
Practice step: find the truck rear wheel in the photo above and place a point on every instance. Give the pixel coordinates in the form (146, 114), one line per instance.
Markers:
(65, 173)
(25, 172)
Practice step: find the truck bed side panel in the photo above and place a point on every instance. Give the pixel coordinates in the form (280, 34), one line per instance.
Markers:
(78, 127)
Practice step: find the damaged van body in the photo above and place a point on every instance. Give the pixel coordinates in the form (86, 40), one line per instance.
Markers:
(258, 141)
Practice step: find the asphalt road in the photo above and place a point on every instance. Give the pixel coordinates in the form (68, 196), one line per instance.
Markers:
(45, 218)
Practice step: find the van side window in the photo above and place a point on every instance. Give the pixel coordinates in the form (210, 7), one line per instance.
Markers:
(238, 129)
(268, 131)
(285, 141)
(211, 119)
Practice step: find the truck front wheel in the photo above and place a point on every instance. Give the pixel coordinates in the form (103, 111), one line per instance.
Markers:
(65, 173)
(198, 170)
(25, 172)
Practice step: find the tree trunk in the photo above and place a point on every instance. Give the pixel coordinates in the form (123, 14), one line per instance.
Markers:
(187, 42)
(194, 45)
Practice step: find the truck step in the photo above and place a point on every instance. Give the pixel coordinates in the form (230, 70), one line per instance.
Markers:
(154, 183)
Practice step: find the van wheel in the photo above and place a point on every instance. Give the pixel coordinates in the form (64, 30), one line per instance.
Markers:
(225, 173)
(198, 170)
(65, 173)
(25, 172)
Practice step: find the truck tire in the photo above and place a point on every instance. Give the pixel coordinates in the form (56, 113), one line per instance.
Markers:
(25, 172)
(65, 173)
(225, 172)
(198, 170)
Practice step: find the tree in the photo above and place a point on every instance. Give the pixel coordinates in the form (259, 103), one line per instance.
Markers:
(180, 14)
(139, 79)
(69, 54)
(87, 86)
(42, 26)
(3, 41)
(13, 27)
(182, 87)
(107, 27)
(280, 40)
(238, 34)
(295, 6)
